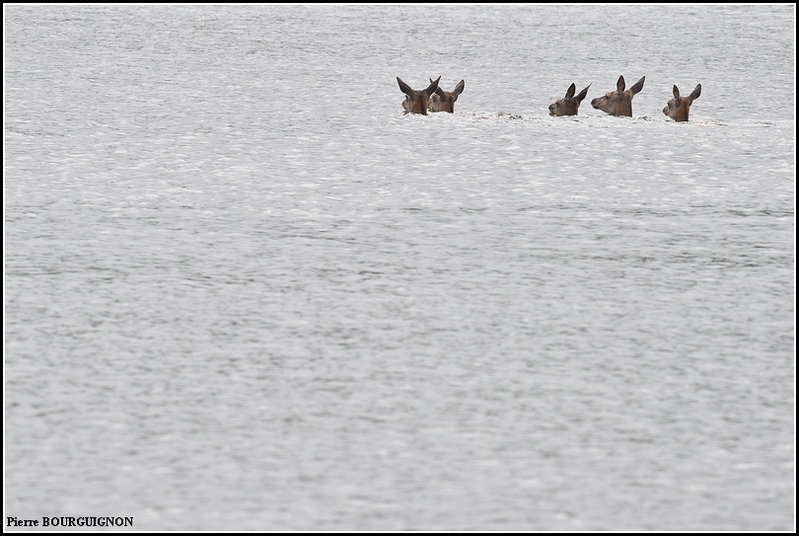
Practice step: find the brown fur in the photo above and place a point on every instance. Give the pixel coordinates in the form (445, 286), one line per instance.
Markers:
(416, 102)
(569, 104)
(619, 102)
(678, 107)
(444, 101)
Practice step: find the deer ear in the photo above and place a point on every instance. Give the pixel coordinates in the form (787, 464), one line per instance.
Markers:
(582, 94)
(638, 86)
(570, 92)
(432, 87)
(459, 88)
(696, 92)
(405, 88)
(621, 84)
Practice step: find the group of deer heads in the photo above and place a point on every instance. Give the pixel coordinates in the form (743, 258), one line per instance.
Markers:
(618, 103)
(432, 99)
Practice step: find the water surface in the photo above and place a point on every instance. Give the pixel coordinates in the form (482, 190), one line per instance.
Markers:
(243, 291)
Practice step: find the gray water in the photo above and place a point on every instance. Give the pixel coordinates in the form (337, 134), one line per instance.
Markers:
(244, 291)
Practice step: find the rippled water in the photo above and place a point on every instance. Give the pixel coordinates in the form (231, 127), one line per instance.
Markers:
(243, 291)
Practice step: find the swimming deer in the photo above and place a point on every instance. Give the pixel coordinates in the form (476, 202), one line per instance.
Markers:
(678, 107)
(444, 101)
(416, 101)
(619, 102)
(568, 105)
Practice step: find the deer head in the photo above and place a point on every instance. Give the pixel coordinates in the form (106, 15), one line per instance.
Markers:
(619, 102)
(416, 102)
(444, 101)
(678, 107)
(568, 105)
